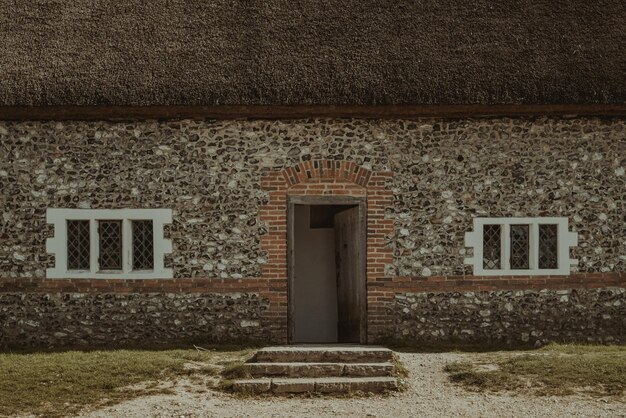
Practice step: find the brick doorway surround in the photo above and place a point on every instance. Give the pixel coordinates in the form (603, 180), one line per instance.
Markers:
(325, 178)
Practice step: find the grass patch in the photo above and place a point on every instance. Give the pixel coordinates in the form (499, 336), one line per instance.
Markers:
(399, 369)
(226, 385)
(235, 370)
(62, 383)
(551, 370)
(401, 372)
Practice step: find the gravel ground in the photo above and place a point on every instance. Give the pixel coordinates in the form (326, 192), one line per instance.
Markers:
(429, 394)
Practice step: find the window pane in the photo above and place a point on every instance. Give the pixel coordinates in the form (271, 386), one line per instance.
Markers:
(143, 247)
(548, 258)
(78, 252)
(519, 247)
(110, 245)
(491, 247)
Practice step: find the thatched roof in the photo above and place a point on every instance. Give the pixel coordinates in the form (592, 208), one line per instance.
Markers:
(211, 52)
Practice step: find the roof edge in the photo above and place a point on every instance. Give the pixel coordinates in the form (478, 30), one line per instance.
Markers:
(116, 113)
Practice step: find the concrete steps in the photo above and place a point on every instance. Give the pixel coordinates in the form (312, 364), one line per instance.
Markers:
(320, 369)
(325, 354)
(335, 385)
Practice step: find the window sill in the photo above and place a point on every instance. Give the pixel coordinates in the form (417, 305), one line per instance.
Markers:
(526, 272)
(139, 275)
(565, 240)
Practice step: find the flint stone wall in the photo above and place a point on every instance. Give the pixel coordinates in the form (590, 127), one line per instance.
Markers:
(132, 319)
(445, 173)
(511, 317)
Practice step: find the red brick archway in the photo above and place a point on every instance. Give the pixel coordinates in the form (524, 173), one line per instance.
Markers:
(325, 178)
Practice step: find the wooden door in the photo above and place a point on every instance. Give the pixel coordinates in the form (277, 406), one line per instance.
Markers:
(349, 256)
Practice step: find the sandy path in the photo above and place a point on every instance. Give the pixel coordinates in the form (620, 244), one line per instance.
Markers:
(429, 394)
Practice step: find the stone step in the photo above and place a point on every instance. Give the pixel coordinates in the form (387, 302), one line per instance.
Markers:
(323, 354)
(331, 385)
(301, 369)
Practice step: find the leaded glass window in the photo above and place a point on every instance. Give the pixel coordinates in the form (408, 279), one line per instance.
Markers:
(520, 247)
(78, 241)
(143, 245)
(491, 247)
(548, 247)
(110, 245)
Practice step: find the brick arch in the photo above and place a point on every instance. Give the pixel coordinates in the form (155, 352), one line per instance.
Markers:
(338, 170)
(326, 178)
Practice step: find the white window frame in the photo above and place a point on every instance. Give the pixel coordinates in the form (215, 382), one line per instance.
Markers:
(565, 240)
(57, 245)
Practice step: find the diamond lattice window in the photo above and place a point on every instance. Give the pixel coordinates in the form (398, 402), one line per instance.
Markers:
(143, 245)
(520, 247)
(110, 245)
(491, 247)
(78, 251)
(548, 247)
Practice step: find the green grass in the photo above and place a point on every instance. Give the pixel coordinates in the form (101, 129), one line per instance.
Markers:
(234, 370)
(551, 370)
(62, 383)
(401, 372)
(399, 369)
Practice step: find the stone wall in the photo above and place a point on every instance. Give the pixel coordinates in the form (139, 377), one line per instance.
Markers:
(129, 319)
(209, 173)
(227, 182)
(513, 317)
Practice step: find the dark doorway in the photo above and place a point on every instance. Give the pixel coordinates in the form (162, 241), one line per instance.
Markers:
(327, 270)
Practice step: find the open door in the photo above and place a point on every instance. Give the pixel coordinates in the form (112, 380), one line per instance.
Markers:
(326, 259)
(348, 253)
